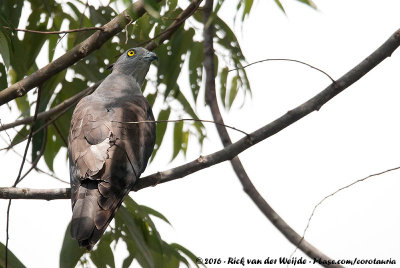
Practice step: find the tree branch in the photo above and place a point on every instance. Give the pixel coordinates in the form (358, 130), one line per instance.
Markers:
(248, 186)
(18, 179)
(185, 14)
(95, 41)
(63, 106)
(179, 20)
(229, 152)
(55, 32)
(292, 60)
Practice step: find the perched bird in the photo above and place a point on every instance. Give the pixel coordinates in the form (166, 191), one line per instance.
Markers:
(106, 153)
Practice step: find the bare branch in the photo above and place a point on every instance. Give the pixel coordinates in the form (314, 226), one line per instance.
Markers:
(17, 180)
(253, 138)
(36, 161)
(95, 41)
(301, 62)
(337, 191)
(55, 32)
(37, 168)
(248, 186)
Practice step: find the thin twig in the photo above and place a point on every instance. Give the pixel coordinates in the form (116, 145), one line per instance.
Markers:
(292, 60)
(268, 130)
(36, 161)
(39, 129)
(181, 120)
(37, 168)
(56, 32)
(20, 171)
(67, 104)
(247, 184)
(2, 126)
(334, 193)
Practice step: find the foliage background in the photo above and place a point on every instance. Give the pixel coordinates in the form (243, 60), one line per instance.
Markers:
(348, 124)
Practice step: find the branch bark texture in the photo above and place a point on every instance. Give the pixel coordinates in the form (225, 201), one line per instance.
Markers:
(249, 188)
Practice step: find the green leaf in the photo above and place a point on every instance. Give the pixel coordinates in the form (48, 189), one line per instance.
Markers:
(178, 137)
(161, 128)
(128, 261)
(247, 8)
(185, 251)
(52, 46)
(155, 213)
(4, 50)
(138, 243)
(233, 91)
(280, 5)
(185, 142)
(103, 256)
(70, 251)
(21, 135)
(152, 8)
(196, 68)
(3, 77)
(12, 260)
(12, 9)
(308, 3)
(222, 79)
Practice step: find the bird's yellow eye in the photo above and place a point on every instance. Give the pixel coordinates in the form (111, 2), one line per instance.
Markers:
(131, 53)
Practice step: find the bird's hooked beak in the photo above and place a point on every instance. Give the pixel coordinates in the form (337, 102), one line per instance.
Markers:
(150, 56)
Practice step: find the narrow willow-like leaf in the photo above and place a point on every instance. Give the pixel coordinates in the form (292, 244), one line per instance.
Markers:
(222, 90)
(187, 252)
(279, 4)
(4, 49)
(70, 251)
(12, 260)
(308, 3)
(103, 256)
(233, 91)
(161, 129)
(155, 213)
(247, 8)
(136, 238)
(178, 136)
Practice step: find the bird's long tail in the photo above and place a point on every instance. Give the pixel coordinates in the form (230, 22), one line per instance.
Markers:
(89, 220)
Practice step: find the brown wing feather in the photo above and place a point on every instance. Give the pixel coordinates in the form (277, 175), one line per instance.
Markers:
(107, 155)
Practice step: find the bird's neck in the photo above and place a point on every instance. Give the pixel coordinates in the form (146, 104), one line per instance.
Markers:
(119, 84)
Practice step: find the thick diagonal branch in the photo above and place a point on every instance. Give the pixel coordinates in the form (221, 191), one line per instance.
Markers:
(248, 186)
(95, 41)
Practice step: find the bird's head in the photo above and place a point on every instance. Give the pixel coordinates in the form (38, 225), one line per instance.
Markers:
(135, 62)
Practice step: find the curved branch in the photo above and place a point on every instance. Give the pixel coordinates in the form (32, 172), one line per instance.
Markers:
(229, 152)
(292, 60)
(95, 41)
